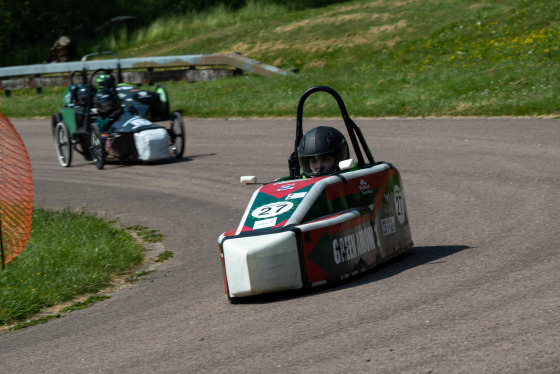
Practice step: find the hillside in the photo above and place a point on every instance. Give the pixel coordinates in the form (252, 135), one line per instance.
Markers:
(386, 58)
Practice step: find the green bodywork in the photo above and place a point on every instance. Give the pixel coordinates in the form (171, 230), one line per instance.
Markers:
(69, 118)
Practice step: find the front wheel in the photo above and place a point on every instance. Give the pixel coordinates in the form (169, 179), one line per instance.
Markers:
(177, 135)
(96, 147)
(63, 144)
(56, 118)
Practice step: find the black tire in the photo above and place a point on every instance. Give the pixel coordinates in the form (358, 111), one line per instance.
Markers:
(164, 99)
(63, 144)
(56, 118)
(96, 147)
(177, 135)
(82, 147)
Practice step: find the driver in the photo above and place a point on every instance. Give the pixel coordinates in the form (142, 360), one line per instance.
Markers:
(320, 150)
(105, 80)
(108, 108)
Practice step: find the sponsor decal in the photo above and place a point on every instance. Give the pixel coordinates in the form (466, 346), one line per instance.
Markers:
(107, 142)
(388, 226)
(354, 245)
(126, 88)
(296, 195)
(137, 122)
(286, 187)
(272, 210)
(399, 204)
(364, 187)
(386, 198)
(265, 223)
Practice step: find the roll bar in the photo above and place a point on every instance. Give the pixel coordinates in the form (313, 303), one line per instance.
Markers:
(119, 71)
(354, 132)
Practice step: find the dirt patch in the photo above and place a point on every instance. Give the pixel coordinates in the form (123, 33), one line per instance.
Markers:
(333, 20)
(369, 38)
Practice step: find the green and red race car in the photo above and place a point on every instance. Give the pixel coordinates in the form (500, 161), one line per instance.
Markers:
(301, 232)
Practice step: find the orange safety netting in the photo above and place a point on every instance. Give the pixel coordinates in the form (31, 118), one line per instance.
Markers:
(16, 192)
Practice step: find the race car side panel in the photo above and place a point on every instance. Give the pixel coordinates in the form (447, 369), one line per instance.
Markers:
(336, 250)
(69, 118)
(120, 145)
(339, 226)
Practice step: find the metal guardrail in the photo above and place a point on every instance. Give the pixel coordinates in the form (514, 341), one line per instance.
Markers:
(190, 61)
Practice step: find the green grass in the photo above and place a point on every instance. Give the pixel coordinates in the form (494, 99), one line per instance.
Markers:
(69, 254)
(386, 58)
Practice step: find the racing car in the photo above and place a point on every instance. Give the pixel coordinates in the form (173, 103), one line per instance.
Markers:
(300, 232)
(130, 136)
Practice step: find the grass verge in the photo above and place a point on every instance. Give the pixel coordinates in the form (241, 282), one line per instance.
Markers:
(69, 254)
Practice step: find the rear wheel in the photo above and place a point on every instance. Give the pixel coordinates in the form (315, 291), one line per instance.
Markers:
(177, 135)
(164, 99)
(96, 147)
(63, 144)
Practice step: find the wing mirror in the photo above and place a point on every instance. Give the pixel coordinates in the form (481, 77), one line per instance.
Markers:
(248, 179)
(342, 165)
(346, 164)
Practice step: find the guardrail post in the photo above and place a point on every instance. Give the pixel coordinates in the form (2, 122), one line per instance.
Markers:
(150, 75)
(39, 90)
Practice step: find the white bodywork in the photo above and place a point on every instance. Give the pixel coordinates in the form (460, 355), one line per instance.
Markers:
(262, 263)
(152, 144)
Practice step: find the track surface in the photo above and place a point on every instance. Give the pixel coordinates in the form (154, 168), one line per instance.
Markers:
(479, 292)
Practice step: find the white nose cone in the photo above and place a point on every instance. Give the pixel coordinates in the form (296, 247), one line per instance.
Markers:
(262, 263)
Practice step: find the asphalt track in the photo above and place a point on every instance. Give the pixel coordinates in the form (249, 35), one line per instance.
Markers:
(478, 293)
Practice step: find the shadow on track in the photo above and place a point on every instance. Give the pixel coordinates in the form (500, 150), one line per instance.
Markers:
(117, 164)
(416, 256)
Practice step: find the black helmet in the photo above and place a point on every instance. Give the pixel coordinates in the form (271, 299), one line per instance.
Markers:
(105, 80)
(319, 143)
(82, 93)
(106, 101)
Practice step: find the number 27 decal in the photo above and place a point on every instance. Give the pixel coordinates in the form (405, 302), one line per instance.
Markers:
(272, 210)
